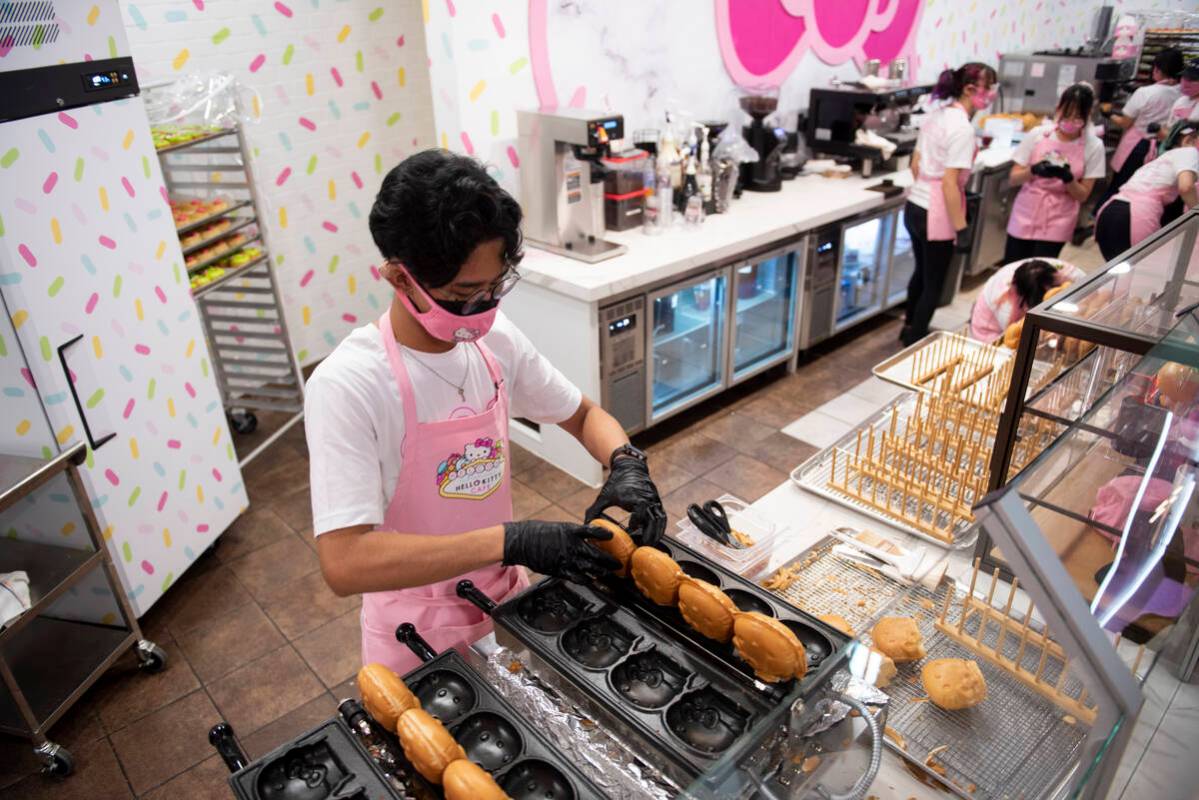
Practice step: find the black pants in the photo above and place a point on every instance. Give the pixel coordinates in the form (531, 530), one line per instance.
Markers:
(1113, 229)
(1135, 160)
(1016, 249)
(928, 280)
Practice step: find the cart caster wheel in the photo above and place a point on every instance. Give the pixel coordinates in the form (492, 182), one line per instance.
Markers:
(151, 657)
(243, 422)
(56, 760)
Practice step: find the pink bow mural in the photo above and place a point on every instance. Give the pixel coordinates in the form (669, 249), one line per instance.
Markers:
(761, 41)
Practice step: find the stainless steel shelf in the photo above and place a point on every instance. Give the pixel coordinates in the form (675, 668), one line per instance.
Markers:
(54, 661)
(20, 475)
(189, 227)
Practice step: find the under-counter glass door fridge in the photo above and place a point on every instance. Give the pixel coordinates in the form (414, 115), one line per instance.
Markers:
(764, 298)
(687, 343)
(862, 277)
(903, 262)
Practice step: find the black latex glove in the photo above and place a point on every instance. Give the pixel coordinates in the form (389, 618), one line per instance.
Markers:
(558, 549)
(1043, 169)
(963, 241)
(629, 487)
(1063, 173)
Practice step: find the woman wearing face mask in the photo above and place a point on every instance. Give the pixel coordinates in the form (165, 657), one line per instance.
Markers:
(407, 424)
(1055, 167)
(1136, 212)
(1185, 107)
(935, 213)
(1148, 105)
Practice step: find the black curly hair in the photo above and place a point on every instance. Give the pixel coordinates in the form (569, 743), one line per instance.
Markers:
(434, 208)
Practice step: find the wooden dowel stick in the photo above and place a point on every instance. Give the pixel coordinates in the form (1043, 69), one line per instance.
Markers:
(969, 595)
(950, 592)
(1044, 653)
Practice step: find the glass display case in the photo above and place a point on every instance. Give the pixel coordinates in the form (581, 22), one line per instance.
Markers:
(687, 343)
(903, 264)
(1079, 344)
(764, 298)
(1113, 497)
(862, 278)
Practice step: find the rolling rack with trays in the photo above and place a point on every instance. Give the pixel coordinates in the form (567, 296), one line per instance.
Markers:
(51, 655)
(233, 280)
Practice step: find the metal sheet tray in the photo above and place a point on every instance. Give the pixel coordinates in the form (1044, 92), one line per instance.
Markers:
(1015, 744)
(813, 475)
(898, 368)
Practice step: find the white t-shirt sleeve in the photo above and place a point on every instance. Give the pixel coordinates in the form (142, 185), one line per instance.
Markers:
(1136, 103)
(959, 146)
(345, 474)
(1094, 158)
(1187, 160)
(537, 390)
(1023, 154)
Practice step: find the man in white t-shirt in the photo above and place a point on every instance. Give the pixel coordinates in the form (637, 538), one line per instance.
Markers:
(407, 424)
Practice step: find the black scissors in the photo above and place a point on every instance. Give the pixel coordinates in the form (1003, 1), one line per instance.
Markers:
(713, 522)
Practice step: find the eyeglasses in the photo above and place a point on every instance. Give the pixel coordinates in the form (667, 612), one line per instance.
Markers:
(483, 297)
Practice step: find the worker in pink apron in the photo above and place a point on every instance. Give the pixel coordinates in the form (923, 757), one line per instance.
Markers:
(1149, 106)
(1135, 213)
(1186, 109)
(1012, 290)
(407, 425)
(935, 214)
(1055, 167)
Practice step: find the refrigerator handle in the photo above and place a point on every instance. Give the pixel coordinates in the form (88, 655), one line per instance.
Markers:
(62, 359)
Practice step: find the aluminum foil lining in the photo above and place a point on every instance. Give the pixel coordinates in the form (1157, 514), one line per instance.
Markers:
(615, 769)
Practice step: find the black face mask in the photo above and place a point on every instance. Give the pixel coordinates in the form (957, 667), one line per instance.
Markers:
(456, 307)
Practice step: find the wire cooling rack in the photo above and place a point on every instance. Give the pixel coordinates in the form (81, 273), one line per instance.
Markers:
(1015, 744)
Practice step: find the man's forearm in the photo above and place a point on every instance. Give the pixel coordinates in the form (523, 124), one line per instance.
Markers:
(602, 434)
(355, 561)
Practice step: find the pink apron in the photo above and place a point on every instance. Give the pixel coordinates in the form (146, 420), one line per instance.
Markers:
(1128, 140)
(1182, 111)
(1043, 209)
(940, 228)
(1145, 209)
(455, 478)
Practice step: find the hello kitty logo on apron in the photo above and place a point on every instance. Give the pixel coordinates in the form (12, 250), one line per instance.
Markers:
(474, 473)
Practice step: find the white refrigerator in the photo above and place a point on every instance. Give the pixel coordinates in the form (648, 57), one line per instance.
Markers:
(94, 286)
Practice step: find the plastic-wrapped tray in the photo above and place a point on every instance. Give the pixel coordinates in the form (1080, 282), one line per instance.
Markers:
(672, 689)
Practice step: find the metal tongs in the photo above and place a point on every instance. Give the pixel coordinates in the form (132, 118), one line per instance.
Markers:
(917, 565)
(712, 521)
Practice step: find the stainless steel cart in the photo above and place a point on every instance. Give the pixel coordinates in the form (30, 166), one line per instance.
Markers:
(48, 659)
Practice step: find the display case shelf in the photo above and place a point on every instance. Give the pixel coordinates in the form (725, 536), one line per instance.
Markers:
(208, 137)
(20, 475)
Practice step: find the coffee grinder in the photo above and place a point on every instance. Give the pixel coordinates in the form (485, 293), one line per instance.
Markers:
(562, 180)
(762, 175)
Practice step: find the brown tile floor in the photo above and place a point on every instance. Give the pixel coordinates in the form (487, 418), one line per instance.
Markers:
(256, 638)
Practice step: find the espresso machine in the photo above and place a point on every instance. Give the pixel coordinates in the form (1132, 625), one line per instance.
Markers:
(562, 180)
(836, 114)
(762, 175)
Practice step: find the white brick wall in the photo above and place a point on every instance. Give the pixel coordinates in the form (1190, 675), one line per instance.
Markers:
(316, 218)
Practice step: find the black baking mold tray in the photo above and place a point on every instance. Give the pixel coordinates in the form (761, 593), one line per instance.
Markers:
(688, 696)
(327, 763)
